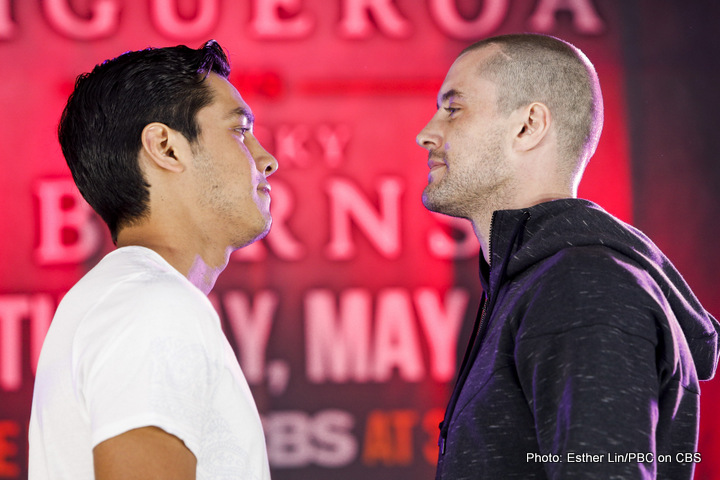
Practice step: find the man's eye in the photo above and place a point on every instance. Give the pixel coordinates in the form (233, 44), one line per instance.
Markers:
(451, 110)
(242, 131)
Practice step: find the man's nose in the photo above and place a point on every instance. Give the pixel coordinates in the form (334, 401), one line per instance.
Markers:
(264, 162)
(429, 138)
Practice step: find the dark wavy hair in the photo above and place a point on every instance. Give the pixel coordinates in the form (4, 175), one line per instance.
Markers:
(101, 125)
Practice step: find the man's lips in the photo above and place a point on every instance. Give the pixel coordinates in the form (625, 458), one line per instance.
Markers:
(264, 188)
(437, 170)
(434, 163)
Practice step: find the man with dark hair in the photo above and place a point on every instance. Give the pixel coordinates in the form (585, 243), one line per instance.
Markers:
(586, 353)
(136, 378)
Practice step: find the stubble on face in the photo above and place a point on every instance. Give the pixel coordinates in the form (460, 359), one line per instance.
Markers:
(475, 182)
(225, 204)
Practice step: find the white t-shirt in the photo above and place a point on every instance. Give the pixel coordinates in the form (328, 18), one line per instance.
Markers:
(135, 344)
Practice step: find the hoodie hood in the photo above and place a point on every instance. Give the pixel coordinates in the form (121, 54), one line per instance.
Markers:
(519, 239)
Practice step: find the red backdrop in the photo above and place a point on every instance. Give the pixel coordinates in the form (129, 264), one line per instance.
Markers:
(346, 317)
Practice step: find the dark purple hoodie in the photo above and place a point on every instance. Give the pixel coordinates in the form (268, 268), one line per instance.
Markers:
(587, 358)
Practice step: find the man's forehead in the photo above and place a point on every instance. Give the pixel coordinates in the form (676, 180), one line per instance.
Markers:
(471, 63)
(227, 97)
(240, 108)
(457, 76)
(464, 78)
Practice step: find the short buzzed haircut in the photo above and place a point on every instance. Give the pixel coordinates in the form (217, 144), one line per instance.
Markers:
(540, 68)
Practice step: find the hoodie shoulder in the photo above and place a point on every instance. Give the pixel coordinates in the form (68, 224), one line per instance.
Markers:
(604, 262)
(591, 285)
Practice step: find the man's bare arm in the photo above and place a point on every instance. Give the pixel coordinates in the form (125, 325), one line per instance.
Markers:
(144, 453)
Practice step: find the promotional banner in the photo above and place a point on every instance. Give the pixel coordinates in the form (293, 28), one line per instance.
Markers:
(348, 319)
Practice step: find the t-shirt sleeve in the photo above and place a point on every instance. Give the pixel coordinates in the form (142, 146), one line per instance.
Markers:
(586, 357)
(142, 359)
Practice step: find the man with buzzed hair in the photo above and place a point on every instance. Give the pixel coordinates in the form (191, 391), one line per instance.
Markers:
(586, 353)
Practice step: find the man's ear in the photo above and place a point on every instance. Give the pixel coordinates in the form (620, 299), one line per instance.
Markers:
(164, 147)
(533, 126)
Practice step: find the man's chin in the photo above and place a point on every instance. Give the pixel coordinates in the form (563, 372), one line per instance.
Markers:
(438, 204)
(265, 230)
(431, 201)
(258, 234)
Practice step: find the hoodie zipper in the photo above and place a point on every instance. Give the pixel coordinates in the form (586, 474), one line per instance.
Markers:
(490, 235)
(480, 328)
(475, 339)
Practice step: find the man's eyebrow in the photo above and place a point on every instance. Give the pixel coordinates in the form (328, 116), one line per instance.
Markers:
(449, 94)
(242, 112)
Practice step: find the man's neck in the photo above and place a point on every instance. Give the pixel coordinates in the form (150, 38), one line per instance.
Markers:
(201, 266)
(481, 227)
(202, 275)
